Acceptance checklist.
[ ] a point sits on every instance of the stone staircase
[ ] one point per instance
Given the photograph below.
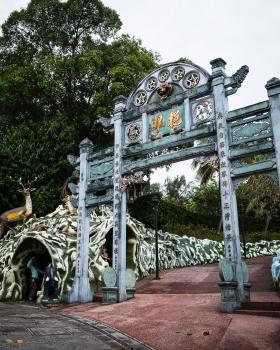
(260, 308)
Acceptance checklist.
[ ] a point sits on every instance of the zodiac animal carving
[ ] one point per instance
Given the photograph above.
(21, 213)
(164, 91)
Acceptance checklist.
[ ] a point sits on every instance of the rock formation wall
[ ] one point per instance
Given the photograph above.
(55, 236)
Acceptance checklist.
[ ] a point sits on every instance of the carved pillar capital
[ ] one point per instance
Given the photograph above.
(86, 146)
(273, 87)
(218, 67)
(120, 104)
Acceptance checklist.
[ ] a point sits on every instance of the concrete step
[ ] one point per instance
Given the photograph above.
(260, 308)
(266, 313)
(261, 305)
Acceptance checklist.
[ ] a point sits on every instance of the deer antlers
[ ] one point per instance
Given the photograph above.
(29, 183)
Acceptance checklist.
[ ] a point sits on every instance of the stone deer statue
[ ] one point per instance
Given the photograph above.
(21, 213)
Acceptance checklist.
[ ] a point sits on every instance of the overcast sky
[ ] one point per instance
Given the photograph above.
(239, 31)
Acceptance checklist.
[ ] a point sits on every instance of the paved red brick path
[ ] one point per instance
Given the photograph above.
(181, 312)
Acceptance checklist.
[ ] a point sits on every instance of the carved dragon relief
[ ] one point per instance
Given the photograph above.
(238, 77)
(235, 81)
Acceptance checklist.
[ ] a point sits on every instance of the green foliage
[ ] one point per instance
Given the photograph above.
(170, 213)
(203, 232)
(35, 149)
(205, 200)
(154, 188)
(198, 213)
(61, 66)
(176, 190)
(143, 210)
(260, 196)
(253, 237)
(197, 231)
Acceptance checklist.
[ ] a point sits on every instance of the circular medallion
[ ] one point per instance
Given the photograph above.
(225, 270)
(178, 73)
(191, 80)
(163, 75)
(245, 272)
(130, 278)
(203, 111)
(133, 131)
(140, 98)
(151, 84)
(109, 277)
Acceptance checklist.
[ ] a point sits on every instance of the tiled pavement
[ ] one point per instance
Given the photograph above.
(27, 327)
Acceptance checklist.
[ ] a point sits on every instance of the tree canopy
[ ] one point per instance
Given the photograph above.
(61, 66)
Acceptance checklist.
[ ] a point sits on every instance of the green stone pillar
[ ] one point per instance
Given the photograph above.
(273, 91)
(228, 197)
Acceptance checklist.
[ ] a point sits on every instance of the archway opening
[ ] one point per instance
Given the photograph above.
(131, 244)
(109, 246)
(29, 248)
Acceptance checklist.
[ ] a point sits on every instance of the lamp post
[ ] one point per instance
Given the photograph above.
(155, 200)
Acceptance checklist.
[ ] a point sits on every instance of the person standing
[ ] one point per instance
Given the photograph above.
(33, 267)
(50, 283)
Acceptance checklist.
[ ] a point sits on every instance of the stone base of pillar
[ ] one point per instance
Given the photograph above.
(229, 297)
(130, 293)
(247, 288)
(81, 292)
(109, 295)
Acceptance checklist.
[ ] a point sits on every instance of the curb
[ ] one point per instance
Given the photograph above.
(127, 341)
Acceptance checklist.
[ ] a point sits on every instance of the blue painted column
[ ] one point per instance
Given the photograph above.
(119, 212)
(273, 91)
(81, 291)
(228, 196)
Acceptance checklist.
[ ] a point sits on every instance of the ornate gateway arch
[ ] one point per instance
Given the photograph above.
(178, 112)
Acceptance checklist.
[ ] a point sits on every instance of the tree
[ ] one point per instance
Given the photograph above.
(61, 63)
(206, 168)
(154, 188)
(263, 197)
(205, 200)
(176, 190)
(29, 150)
(56, 58)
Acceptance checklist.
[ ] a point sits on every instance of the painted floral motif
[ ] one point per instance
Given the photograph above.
(203, 111)
(192, 79)
(133, 131)
(140, 98)
(179, 74)
(151, 84)
(164, 75)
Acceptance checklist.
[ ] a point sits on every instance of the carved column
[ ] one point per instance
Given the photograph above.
(273, 91)
(228, 197)
(81, 291)
(119, 223)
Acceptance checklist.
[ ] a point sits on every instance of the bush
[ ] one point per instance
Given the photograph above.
(202, 232)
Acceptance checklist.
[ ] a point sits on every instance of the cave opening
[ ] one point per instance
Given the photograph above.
(29, 248)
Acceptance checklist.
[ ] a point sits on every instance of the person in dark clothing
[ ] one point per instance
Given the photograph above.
(32, 265)
(51, 283)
